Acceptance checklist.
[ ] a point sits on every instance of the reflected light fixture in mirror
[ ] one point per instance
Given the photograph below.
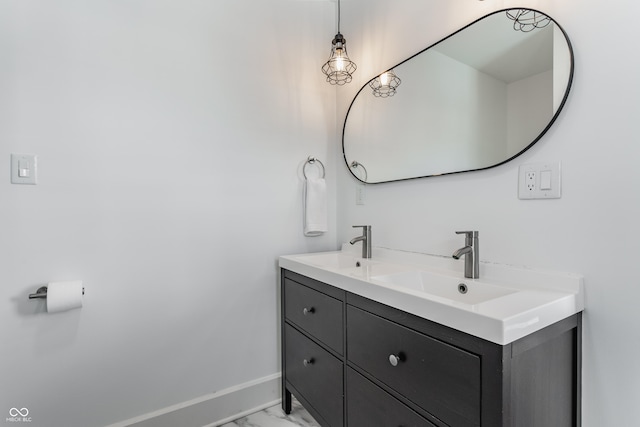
(385, 85)
(339, 68)
(526, 20)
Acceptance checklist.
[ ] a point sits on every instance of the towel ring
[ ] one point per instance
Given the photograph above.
(355, 164)
(311, 160)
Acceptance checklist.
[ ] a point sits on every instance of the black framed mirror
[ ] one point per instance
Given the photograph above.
(474, 100)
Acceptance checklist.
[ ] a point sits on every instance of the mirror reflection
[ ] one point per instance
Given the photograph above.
(474, 100)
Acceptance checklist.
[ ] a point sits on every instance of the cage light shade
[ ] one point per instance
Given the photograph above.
(339, 68)
(385, 85)
(526, 20)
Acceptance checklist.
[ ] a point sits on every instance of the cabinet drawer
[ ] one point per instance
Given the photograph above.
(442, 379)
(318, 314)
(369, 405)
(315, 374)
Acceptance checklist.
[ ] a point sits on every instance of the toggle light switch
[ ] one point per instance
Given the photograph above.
(23, 169)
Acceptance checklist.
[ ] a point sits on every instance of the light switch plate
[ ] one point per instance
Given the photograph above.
(539, 181)
(24, 169)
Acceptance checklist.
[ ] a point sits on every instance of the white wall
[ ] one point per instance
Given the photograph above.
(530, 108)
(170, 137)
(591, 230)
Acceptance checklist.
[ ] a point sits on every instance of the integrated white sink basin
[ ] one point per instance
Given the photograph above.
(505, 304)
(461, 290)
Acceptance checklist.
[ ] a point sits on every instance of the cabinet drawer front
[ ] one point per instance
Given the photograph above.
(442, 379)
(369, 405)
(316, 374)
(318, 314)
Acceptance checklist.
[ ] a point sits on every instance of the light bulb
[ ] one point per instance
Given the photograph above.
(339, 60)
(384, 79)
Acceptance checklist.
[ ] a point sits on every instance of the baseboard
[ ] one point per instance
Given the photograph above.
(214, 409)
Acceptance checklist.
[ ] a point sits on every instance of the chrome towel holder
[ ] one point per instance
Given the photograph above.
(310, 161)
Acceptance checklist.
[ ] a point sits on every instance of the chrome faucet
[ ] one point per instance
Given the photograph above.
(365, 239)
(471, 253)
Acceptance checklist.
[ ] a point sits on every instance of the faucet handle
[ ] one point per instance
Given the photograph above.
(470, 234)
(364, 227)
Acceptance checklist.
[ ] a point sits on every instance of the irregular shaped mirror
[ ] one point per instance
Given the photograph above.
(476, 99)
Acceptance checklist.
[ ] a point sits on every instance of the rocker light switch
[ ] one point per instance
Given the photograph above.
(545, 180)
(23, 169)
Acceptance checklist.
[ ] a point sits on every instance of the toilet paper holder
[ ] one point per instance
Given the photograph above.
(41, 293)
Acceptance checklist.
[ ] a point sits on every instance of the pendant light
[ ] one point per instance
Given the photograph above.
(339, 67)
(385, 84)
(526, 20)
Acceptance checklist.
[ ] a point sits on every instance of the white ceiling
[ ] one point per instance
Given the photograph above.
(495, 48)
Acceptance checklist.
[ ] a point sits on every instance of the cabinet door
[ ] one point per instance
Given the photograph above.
(316, 375)
(442, 379)
(318, 314)
(368, 405)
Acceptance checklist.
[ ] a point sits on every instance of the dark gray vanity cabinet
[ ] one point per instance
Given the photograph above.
(313, 347)
(354, 362)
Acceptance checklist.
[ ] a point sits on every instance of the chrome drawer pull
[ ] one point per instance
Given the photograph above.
(307, 362)
(309, 310)
(394, 359)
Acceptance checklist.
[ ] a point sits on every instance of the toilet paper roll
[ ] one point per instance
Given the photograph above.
(62, 296)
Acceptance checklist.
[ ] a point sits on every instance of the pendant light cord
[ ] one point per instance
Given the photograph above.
(338, 16)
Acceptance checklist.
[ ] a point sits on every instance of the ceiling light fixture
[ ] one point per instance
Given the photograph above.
(385, 84)
(339, 68)
(526, 20)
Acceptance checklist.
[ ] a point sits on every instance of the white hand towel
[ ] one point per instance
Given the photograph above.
(315, 207)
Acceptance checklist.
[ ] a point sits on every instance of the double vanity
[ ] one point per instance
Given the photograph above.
(404, 339)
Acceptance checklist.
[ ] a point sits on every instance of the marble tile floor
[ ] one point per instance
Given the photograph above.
(275, 417)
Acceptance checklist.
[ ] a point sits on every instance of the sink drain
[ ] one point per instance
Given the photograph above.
(462, 288)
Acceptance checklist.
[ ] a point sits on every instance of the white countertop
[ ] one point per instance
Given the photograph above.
(528, 300)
